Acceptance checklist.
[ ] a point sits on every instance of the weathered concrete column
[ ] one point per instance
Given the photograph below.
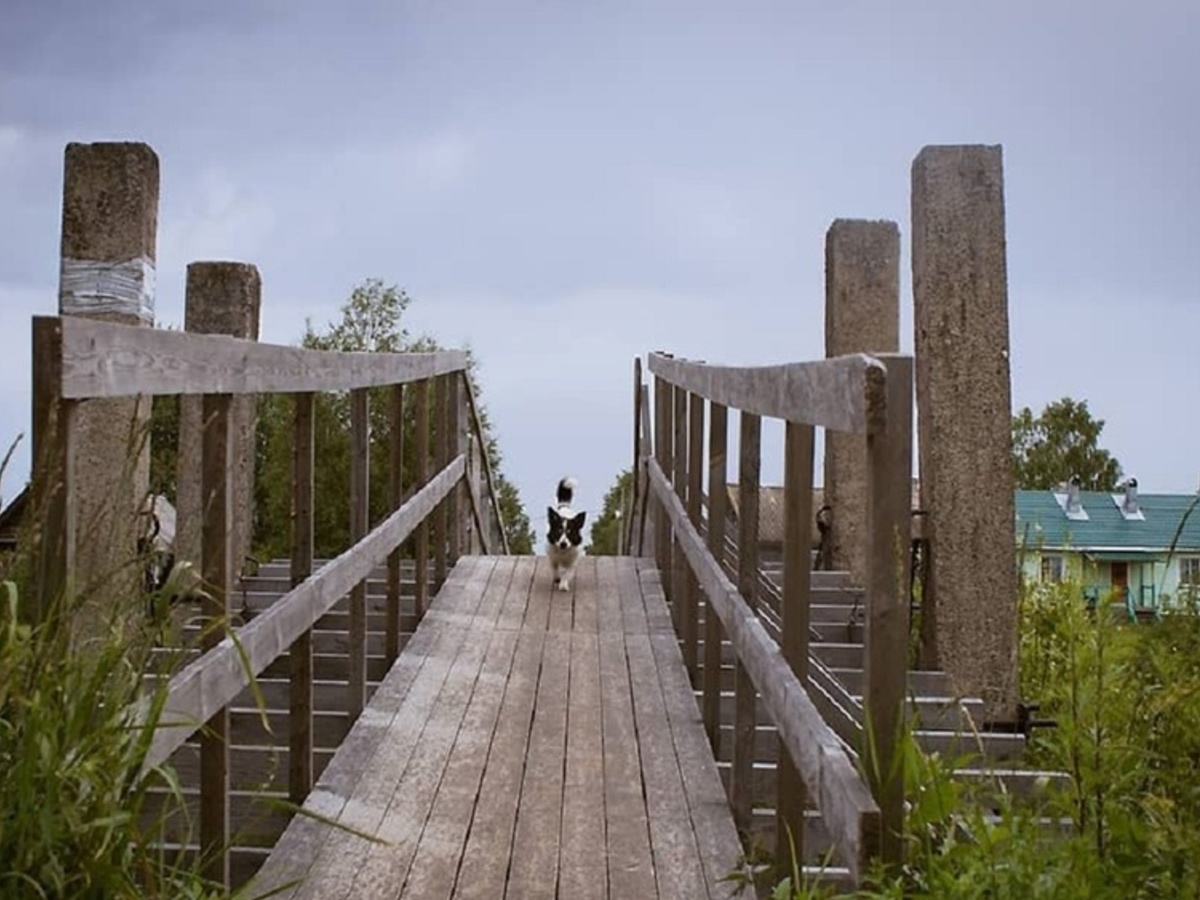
(960, 286)
(109, 232)
(862, 315)
(222, 298)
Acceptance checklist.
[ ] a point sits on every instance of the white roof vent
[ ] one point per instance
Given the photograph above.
(1071, 502)
(1127, 502)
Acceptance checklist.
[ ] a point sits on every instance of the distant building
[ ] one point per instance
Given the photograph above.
(1145, 547)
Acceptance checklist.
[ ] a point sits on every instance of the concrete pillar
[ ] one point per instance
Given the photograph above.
(862, 315)
(222, 298)
(960, 286)
(109, 232)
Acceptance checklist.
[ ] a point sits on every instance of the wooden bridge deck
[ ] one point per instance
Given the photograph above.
(527, 743)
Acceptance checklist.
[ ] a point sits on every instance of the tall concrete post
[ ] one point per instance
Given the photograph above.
(221, 298)
(109, 234)
(862, 315)
(964, 402)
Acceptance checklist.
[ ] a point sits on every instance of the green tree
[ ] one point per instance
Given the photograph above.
(1062, 442)
(370, 322)
(606, 530)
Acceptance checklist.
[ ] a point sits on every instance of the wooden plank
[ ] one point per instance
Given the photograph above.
(541, 595)
(443, 840)
(712, 822)
(421, 476)
(360, 494)
(367, 776)
(216, 571)
(516, 599)
(744, 717)
(627, 548)
(581, 867)
(649, 580)
(586, 596)
(663, 454)
(210, 682)
(629, 856)
(828, 392)
(53, 507)
(644, 487)
(481, 437)
(533, 871)
(844, 800)
(695, 487)
(885, 657)
(413, 793)
(683, 595)
(676, 857)
(718, 464)
(562, 603)
(300, 723)
(395, 501)
(485, 862)
(629, 590)
(104, 359)
(609, 616)
(792, 799)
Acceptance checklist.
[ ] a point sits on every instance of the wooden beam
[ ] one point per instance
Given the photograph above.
(212, 681)
(481, 436)
(745, 716)
(682, 600)
(441, 447)
(53, 491)
(889, 522)
(103, 359)
(695, 487)
(421, 476)
(828, 393)
(360, 499)
(718, 465)
(395, 501)
(300, 721)
(792, 798)
(644, 488)
(850, 814)
(217, 574)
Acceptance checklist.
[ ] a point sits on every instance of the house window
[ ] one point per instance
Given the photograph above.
(1052, 569)
(1189, 574)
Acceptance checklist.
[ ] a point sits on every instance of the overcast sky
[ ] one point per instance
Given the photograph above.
(564, 186)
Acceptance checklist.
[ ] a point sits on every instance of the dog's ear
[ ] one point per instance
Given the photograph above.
(552, 514)
(578, 519)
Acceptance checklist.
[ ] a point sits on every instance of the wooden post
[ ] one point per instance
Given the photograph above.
(300, 723)
(889, 469)
(441, 456)
(741, 774)
(455, 502)
(644, 489)
(695, 485)
(360, 477)
(395, 501)
(664, 454)
(797, 535)
(636, 478)
(217, 573)
(714, 633)
(53, 472)
(421, 478)
(682, 601)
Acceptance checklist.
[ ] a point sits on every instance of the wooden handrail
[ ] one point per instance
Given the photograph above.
(216, 678)
(104, 359)
(835, 393)
(851, 815)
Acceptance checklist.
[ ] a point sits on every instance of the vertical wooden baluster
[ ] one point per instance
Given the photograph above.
(797, 539)
(441, 450)
(741, 775)
(395, 501)
(421, 476)
(453, 448)
(714, 633)
(53, 456)
(360, 476)
(300, 714)
(217, 574)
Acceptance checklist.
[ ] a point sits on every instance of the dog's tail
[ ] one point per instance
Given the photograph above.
(566, 490)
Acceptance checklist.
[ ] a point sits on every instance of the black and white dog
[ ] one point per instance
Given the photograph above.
(565, 538)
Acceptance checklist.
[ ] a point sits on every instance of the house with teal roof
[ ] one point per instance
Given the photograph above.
(1145, 547)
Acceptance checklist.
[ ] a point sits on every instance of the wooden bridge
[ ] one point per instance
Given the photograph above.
(453, 726)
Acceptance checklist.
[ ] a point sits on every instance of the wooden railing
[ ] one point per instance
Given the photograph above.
(869, 396)
(77, 359)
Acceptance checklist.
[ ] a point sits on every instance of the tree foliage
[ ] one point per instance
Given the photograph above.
(1061, 443)
(370, 322)
(606, 530)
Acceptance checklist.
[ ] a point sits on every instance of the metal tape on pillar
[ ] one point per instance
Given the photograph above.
(88, 287)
